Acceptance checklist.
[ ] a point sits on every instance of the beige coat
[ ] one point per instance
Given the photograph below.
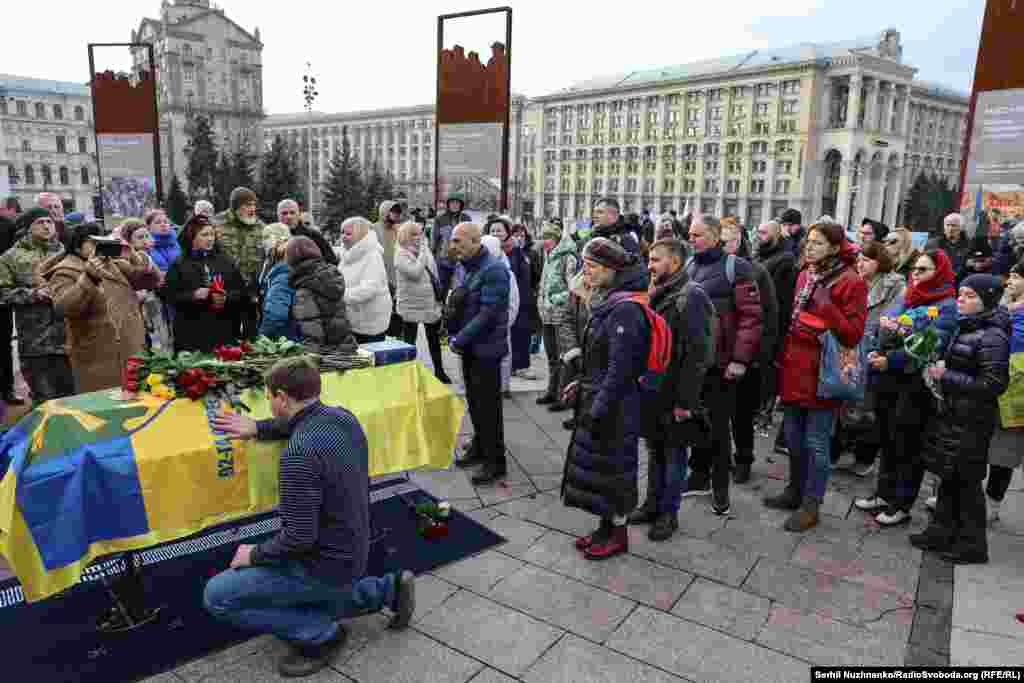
(103, 321)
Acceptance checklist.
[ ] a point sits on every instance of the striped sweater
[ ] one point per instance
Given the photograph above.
(324, 478)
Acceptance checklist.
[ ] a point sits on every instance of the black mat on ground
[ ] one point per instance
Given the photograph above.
(56, 640)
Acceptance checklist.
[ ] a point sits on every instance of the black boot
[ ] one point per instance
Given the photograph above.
(664, 526)
(645, 514)
(790, 498)
(471, 457)
(489, 474)
(551, 395)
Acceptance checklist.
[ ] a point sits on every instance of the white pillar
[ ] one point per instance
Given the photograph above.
(871, 121)
(895, 198)
(843, 194)
(853, 102)
(825, 115)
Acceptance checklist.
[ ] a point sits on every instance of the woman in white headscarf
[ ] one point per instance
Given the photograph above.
(493, 245)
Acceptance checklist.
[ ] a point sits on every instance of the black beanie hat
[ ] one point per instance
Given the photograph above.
(989, 288)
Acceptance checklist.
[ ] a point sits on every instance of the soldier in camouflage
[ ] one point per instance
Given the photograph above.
(41, 348)
(241, 238)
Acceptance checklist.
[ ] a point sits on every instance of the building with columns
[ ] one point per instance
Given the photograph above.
(839, 128)
(401, 141)
(47, 142)
(206, 65)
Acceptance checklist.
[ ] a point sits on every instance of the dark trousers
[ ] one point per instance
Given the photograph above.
(748, 405)
(249, 319)
(6, 350)
(409, 332)
(666, 475)
(999, 477)
(720, 401)
(483, 394)
(554, 360)
(960, 514)
(520, 341)
(368, 338)
(901, 470)
(48, 377)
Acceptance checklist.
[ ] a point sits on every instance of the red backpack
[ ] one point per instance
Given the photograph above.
(659, 353)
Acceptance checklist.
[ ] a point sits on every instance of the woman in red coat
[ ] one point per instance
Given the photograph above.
(830, 295)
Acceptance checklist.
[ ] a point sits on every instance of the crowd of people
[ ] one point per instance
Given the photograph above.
(686, 333)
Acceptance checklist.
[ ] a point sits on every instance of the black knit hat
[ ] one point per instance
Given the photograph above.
(791, 216)
(989, 288)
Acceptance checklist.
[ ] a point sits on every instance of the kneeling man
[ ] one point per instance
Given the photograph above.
(297, 584)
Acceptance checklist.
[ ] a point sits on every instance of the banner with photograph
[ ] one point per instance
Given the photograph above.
(127, 130)
(473, 100)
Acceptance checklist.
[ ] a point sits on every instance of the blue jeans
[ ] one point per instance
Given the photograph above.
(809, 437)
(289, 602)
(666, 475)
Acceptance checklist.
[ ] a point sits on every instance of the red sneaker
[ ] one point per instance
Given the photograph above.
(599, 535)
(616, 544)
(1020, 617)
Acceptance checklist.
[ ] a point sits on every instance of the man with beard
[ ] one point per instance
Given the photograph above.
(608, 223)
(288, 213)
(690, 314)
(441, 235)
(242, 239)
(8, 213)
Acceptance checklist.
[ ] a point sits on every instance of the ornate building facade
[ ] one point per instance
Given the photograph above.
(206, 65)
(46, 141)
(840, 129)
(401, 141)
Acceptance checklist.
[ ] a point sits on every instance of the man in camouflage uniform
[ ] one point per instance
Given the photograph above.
(242, 240)
(44, 360)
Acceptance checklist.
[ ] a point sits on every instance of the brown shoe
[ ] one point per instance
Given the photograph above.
(805, 518)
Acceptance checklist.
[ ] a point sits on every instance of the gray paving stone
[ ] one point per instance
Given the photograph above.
(561, 518)
(446, 484)
(409, 657)
(629, 576)
(431, 592)
(551, 483)
(489, 675)
(971, 648)
(695, 555)
(921, 657)
(503, 638)
(519, 533)
(540, 460)
(830, 596)
(574, 660)
(980, 597)
(261, 667)
(698, 653)
(754, 537)
(872, 564)
(501, 493)
(201, 668)
(827, 642)
(522, 508)
(932, 629)
(563, 602)
(162, 678)
(724, 608)
(480, 572)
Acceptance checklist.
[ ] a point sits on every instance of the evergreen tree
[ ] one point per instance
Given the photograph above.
(201, 152)
(223, 183)
(379, 187)
(343, 194)
(929, 200)
(241, 163)
(279, 178)
(177, 203)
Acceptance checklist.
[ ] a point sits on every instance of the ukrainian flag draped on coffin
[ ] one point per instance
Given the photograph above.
(89, 475)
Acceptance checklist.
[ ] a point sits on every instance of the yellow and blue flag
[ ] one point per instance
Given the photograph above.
(90, 475)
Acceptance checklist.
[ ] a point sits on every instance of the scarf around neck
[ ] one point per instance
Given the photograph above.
(935, 288)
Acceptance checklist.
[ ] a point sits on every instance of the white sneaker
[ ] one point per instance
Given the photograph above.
(869, 504)
(893, 517)
(931, 502)
(525, 374)
(993, 508)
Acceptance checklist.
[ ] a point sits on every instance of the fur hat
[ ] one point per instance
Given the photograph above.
(301, 249)
(241, 195)
(608, 253)
(989, 288)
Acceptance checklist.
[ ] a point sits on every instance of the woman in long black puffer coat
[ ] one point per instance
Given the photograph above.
(959, 429)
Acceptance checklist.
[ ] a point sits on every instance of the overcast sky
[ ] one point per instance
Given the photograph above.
(379, 54)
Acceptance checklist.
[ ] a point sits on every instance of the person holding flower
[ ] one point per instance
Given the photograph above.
(830, 297)
(206, 287)
(276, 295)
(897, 379)
(972, 373)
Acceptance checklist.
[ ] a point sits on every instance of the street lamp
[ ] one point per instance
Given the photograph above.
(309, 94)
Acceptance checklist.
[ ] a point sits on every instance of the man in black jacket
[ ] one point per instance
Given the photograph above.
(8, 212)
(953, 241)
(690, 314)
(441, 235)
(790, 221)
(608, 223)
(289, 214)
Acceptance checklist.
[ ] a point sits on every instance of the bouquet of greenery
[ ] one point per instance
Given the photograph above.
(921, 342)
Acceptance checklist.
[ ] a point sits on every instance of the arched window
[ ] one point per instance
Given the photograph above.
(30, 175)
(47, 175)
(65, 179)
(79, 113)
(58, 112)
(833, 163)
(40, 111)
(85, 175)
